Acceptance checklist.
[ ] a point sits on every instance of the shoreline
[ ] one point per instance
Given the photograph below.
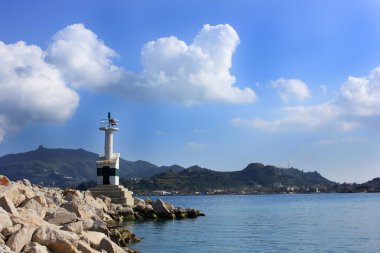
(41, 219)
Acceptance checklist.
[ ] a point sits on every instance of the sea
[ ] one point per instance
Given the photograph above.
(267, 223)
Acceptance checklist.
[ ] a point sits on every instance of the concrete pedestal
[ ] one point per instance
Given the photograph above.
(117, 193)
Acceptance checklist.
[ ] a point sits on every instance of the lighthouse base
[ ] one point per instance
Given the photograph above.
(117, 193)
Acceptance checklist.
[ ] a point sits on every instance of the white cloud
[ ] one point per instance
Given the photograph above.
(31, 90)
(359, 101)
(36, 85)
(195, 145)
(173, 71)
(189, 74)
(84, 59)
(291, 89)
(361, 95)
(302, 119)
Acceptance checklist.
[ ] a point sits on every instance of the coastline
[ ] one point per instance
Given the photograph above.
(43, 219)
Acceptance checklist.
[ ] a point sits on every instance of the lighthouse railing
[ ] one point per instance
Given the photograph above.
(106, 123)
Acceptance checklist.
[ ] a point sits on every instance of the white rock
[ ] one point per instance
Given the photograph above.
(109, 246)
(5, 221)
(34, 247)
(17, 241)
(56, 240)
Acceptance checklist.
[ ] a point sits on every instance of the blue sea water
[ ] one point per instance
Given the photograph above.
(267, 223)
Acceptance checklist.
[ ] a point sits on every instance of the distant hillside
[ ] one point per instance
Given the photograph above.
(65, 167)
(255, 176)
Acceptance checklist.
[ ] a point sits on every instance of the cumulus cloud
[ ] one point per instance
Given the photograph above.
(291, 89)
(31, 90)
(361, 95)
(38, 85)
(358, 101)
(84, 60)
(190, 74)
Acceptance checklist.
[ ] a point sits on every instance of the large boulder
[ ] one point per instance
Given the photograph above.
(76, 227)
(60, 216)
(94, 238)
(35, 205)
(98, 226)
(17, 241)
(16, 193)
(5, 221)
(85, 248)
(160, 208)
(27, 217)
(109, 246)
(40, 198)
(34, 247)
(82, 210)
(56, 240)
(8, 206)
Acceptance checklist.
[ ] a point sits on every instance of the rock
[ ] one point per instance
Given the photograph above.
(60, 216)
(180, 213)
(88, 224)
(40, 199)
(109, 246)
(27, 217)
(4, 180)
(76, 227)
(85, 248)
(56, 240)
(140, 207)
(107, 200)
(5, 249)
(8, 206)
(16, 193)
(82, 210)
(160, 209)
(99, 226)
(125, 211)
(7, 231)
(5, 221)
(33, 204)
(122, 236)
(26, 182)
(17, 241)
(34, 247)
(94, 238)
(138, 201)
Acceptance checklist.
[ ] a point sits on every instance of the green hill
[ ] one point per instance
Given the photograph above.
(255, 177)
(67, 167)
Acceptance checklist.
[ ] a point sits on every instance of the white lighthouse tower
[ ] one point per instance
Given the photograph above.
(107, 177)
(108, 163)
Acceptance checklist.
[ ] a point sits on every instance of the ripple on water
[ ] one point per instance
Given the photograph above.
(267, 223)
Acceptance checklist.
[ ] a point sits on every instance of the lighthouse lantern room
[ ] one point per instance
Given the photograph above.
(108, 163)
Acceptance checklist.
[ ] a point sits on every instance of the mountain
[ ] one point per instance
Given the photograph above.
(255, 177)
(67, 167)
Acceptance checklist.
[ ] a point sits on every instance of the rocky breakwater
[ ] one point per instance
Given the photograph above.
(36, 219)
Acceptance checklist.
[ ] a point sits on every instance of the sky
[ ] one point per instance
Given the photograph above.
(220, 84)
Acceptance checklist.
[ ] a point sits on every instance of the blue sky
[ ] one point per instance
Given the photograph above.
(214, 83)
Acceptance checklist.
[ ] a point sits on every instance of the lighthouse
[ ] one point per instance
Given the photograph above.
(107, 168)
(108, 163)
